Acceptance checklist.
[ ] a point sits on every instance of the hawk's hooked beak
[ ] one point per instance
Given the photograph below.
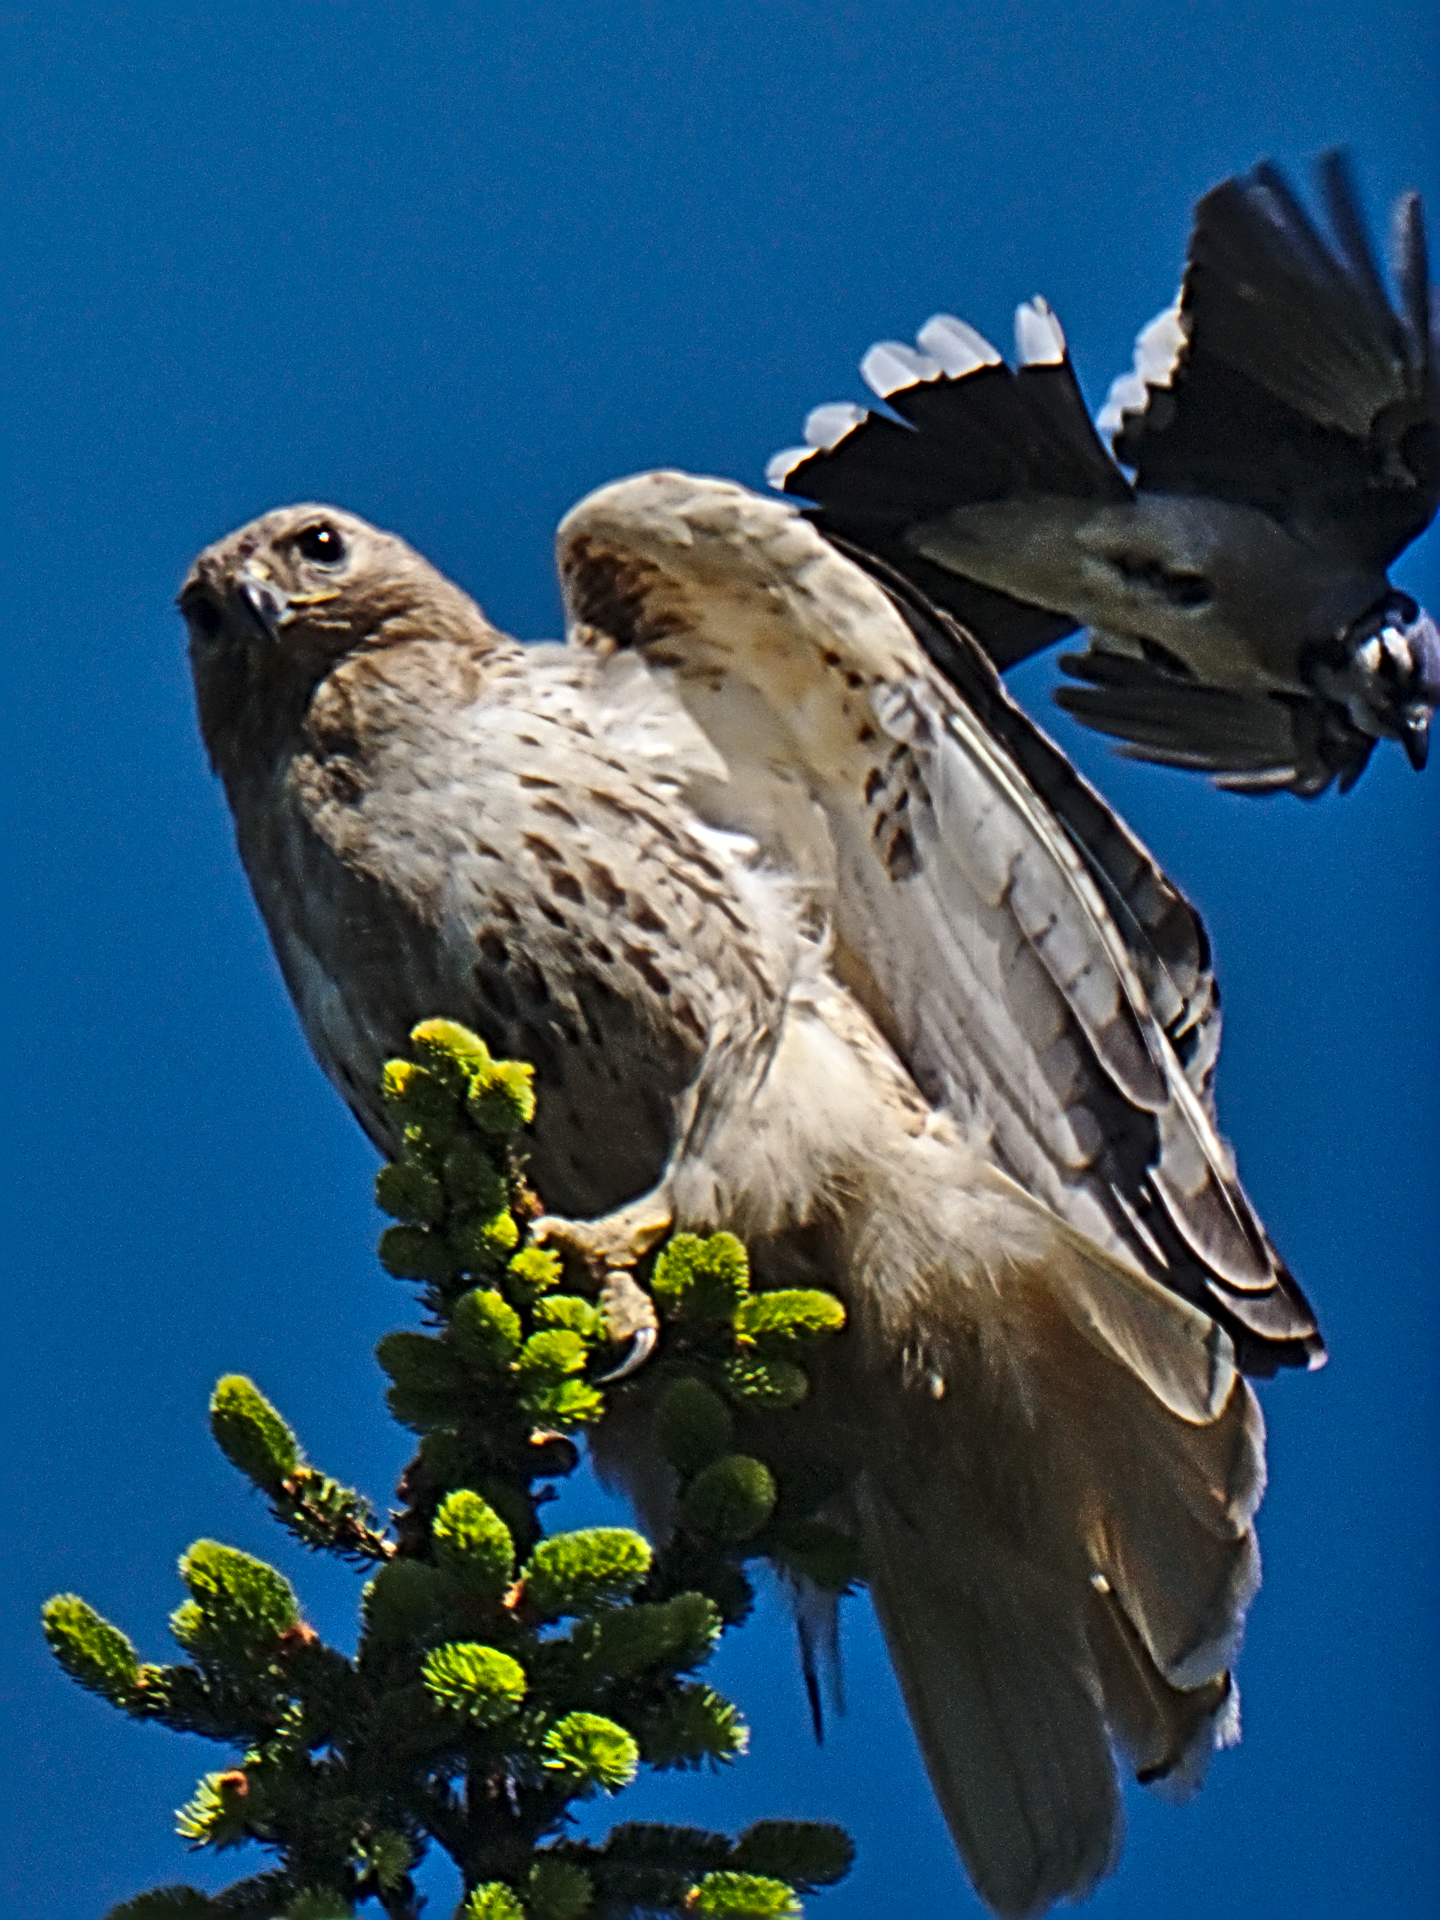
(265, 606)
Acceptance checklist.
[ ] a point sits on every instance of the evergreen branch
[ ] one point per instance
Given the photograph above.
(501, 1675)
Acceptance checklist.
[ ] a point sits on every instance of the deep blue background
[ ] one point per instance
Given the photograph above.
(450, 266)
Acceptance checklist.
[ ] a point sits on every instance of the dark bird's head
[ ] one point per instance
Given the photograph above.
(272, 607)
(1385, 674)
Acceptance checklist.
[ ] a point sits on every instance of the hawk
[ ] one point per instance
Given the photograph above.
(808, 941)
(1282, 425)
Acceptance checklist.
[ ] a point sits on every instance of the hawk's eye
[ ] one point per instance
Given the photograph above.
(320, 543)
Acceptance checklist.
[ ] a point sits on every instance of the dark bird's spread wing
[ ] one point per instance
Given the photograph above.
(1256, 743)
(1281, 421)
(1296, 388)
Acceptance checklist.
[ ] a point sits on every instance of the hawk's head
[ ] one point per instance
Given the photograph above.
(271, 608)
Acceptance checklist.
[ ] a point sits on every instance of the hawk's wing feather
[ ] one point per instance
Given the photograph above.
(1164, 935)
(965, 915)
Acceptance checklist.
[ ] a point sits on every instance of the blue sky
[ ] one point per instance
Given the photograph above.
(450, 266)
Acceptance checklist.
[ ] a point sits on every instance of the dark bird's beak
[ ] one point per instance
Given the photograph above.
(1424, 640)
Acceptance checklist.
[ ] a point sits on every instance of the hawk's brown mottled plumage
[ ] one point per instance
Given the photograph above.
(804, 946)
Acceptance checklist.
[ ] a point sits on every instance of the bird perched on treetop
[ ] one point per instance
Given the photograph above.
(807, 944)
(1283, 427)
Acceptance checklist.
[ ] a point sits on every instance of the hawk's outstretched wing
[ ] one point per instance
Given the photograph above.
(1038, 975)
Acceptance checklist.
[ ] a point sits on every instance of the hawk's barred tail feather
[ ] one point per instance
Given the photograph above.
(1061, 1563)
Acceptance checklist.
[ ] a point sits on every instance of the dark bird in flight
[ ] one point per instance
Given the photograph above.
(1281, 432)
(809, 941)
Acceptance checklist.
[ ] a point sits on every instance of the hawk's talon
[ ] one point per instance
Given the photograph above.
(641, 1349)
(611, 1246)
(629, 1314)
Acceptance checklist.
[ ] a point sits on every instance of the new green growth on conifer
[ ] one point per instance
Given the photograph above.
(500, 1675)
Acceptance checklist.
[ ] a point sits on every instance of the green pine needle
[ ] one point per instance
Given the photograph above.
(492, 1901)
(676, 1634)
(473, 1544)
(502, 1099)
(697, 1279)
(216, 1817)
(764, 1382)
(410, 1193)
(482, 1684)
(574, 1572)
(731, 1499)
(556, 1890)
(165, 1903)
(692, 1425)
(594, 1753)
(485, 1328)
(535, 1270)
(91, 1651)
(693, 1726)
(251, 1434)
(807, 1853)
(239, 1607)
(789, 1314)
(318, 1903)
(404, 1601)
(744, 1896)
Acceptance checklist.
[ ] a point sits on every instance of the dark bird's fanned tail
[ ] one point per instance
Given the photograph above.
(971, 430)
